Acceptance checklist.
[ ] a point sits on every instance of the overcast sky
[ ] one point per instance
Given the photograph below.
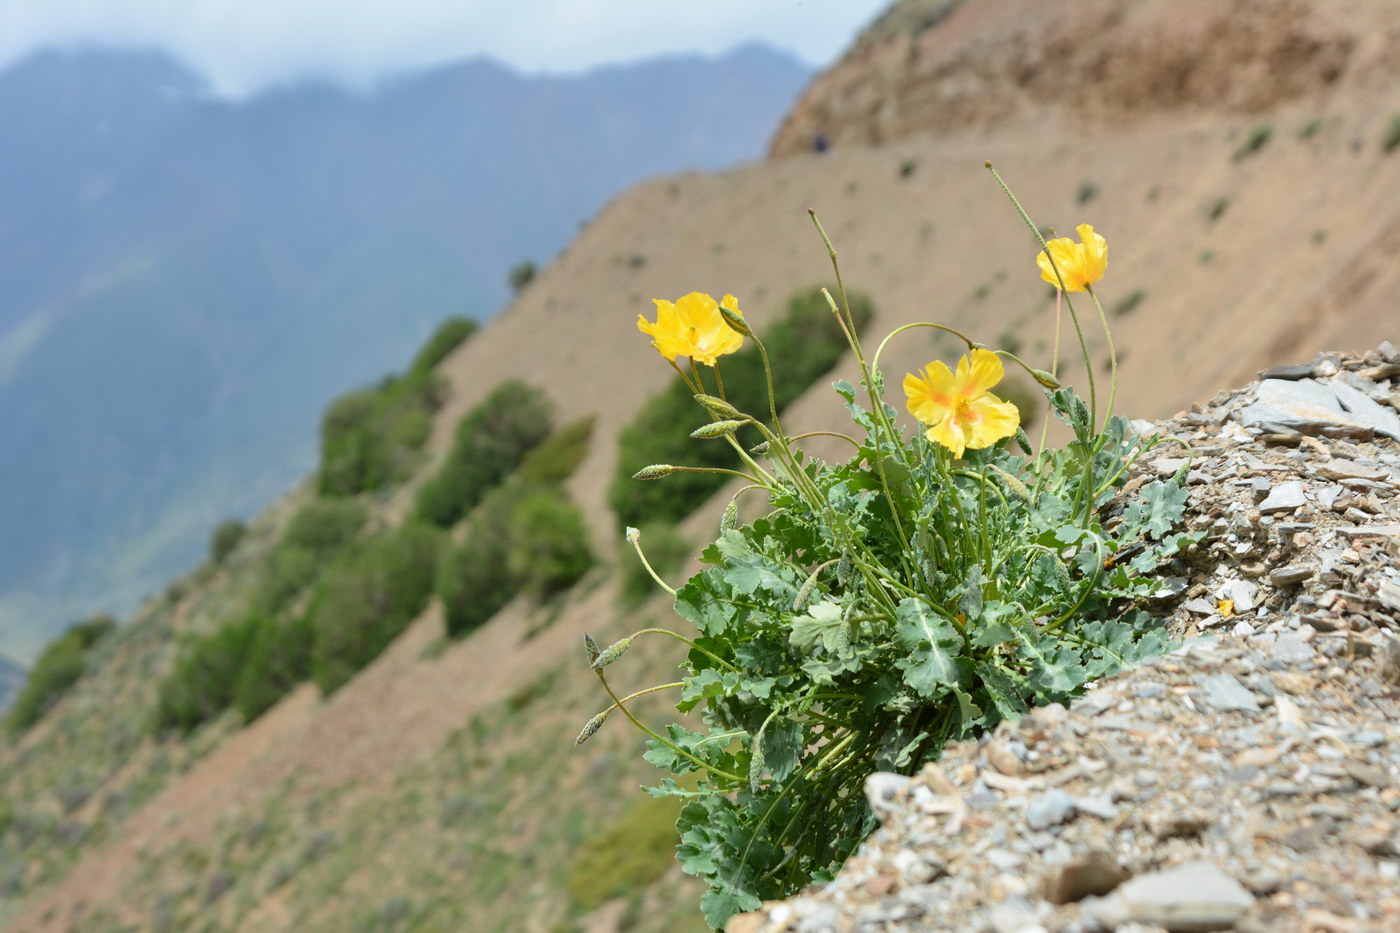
(243, 45)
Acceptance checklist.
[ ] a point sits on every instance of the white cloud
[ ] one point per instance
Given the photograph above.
(242, 45)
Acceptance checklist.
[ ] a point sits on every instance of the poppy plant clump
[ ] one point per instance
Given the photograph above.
(944, 576)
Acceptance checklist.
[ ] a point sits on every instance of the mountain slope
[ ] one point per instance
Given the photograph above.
(187, 280)
(11, 679)
(364, 794)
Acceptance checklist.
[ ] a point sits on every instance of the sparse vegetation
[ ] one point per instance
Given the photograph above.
(805, 344)
(907, 168)
(1217, 209)
(204, 681)
(1128, 303)
(1207, 256)
(320, 530)
(1319, 236)
(1087, 192)
(1255, 141)
(625, 855)
(474, 582)
(1390, 139)
(224, 539)
(1310, 129)
(492, 441)
(57, 668)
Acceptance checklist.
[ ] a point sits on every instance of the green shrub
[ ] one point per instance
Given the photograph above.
(1217, 209)
(57, 668)
(548, 544)
(1128, 303)
(449, 335)
(369, 597)
(325, 526)
(370, 438)
(666, 549)
(205, 679)
(320, 530)
(278, 658)
(803, 345)
(556, 459)
(492, 440)
(521, 275)
(225, 538)
(474, 580)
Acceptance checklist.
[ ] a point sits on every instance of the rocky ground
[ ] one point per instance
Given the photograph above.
(1250, 780)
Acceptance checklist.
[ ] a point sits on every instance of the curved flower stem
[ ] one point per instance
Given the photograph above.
(739, 473)
(719, 382)
(689, 383)
(1112, 355)
(768, 376)
(641, 693)
(635, 537)
(877, 403)
(845, 437)
(750, 461)
(1074, 318)
(658, 737)
(693, 646)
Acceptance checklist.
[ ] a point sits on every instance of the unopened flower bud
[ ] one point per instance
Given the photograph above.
(735, 320)
(716, 429)
(591, 648)
(611, 653)
(1045, 379)
(730, 519)
(719, 406)
(633, 535)
(655, 471)
(590, 727)
(759, 449)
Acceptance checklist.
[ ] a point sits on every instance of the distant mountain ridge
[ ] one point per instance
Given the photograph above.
(185, 281)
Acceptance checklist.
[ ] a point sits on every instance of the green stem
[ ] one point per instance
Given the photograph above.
(658, 737)
(693, 646)
(636, 538)
(1112, 355)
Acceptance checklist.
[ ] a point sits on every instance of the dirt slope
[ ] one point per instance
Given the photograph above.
(1237, 262)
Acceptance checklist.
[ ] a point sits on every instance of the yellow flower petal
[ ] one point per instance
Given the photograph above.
(692, 327)
(930, 395)
(989, 419)
(984, 371)
(1080, 264)
(949, 433)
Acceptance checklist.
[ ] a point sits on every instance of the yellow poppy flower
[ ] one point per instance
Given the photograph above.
(1081, 264)
(958, 409)
(692, 326)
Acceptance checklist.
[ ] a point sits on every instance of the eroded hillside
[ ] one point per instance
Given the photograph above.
(439, 788)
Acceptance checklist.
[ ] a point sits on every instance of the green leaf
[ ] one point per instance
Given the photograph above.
(748, 572)
(782, 743)
(705, 602)
(1166, 505)
(931, 644)
(824, 624)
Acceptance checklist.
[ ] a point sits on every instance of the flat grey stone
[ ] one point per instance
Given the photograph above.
(1290, 650)
(1290, 576)
(1350, 469)
(1285, 497)
(1197, 896)
(1380, 419)
(1224, 692)
(1049, 809)
(1307, 406)
(1287, 371)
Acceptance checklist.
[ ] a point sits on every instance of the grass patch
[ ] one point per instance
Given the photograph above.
(1217, 209)
(1128, 303)
(224, 539)
(1390, 139)
(1087, 192)
(625, 856)
(449, 335)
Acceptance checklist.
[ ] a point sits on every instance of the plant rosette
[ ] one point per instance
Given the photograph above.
(932, 584)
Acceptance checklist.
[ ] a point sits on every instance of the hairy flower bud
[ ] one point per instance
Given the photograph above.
(1045, 379)
(591, 648)
(655, 471)
(730, 519)
(716, 429)
(590, 727)
(611, 653)
(719, 406)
